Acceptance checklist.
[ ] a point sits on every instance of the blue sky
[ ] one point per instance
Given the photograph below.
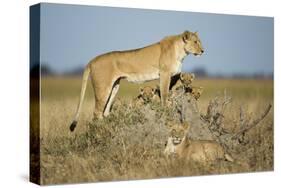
(72, 35)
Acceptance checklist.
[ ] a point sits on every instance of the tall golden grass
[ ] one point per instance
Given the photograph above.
(129, 143)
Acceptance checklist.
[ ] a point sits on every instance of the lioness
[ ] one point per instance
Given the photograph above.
(201, 151)
(161, 60)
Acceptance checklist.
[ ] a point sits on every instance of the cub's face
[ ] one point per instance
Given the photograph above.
(186, 78)
(192, 43)
(197, 92)
(147, 93)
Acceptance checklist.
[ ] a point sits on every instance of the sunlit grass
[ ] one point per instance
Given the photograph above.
(129, 143)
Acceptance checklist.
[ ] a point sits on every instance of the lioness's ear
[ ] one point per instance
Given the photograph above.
(196, 33)
(186, 36)
(185, 126)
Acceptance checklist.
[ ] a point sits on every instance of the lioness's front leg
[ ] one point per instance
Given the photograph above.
(165, 79)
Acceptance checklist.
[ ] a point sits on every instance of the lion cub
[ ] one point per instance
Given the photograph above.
(147, 95)
(196, 92)
(201, 151)
(184, 80)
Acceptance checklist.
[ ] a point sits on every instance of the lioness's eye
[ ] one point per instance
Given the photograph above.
(195, 42)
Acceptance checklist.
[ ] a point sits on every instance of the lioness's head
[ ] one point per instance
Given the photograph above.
(177, 132)
(186, 78)
(192, 43)
(147, 93)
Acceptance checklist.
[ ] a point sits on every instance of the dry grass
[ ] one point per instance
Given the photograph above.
(129, 144)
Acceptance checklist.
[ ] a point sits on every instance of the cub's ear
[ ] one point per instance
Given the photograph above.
(186, 36)
(141, 90)
(201, 89)
(181, 76)
(192, 76)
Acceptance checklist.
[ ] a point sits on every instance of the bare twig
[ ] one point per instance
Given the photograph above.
(253, 124)
(242, 123)
(124, 146)
(225, 102)
(242, 117)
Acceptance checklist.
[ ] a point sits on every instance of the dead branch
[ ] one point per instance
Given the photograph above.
(242, 117)
(210, 126)
(241, 138)
(187, 108)
(215, 114)
(253, 124)
(225, 102)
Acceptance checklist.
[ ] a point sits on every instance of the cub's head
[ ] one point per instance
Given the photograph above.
(186, 78)
(192, 43)
(147, 93)
(197, 92)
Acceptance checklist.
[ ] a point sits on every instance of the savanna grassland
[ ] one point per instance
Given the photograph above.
(129, 143)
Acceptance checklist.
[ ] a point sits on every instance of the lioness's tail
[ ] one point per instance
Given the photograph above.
(83, 89)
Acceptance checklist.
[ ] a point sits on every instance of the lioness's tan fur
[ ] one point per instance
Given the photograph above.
(161, 60)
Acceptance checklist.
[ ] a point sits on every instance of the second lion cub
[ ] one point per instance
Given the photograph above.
(183, 82)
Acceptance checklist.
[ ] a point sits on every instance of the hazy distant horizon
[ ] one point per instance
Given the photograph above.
(71, 35)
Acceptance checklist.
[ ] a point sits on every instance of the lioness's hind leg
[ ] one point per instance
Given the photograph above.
(111, 97)
(102, 94)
